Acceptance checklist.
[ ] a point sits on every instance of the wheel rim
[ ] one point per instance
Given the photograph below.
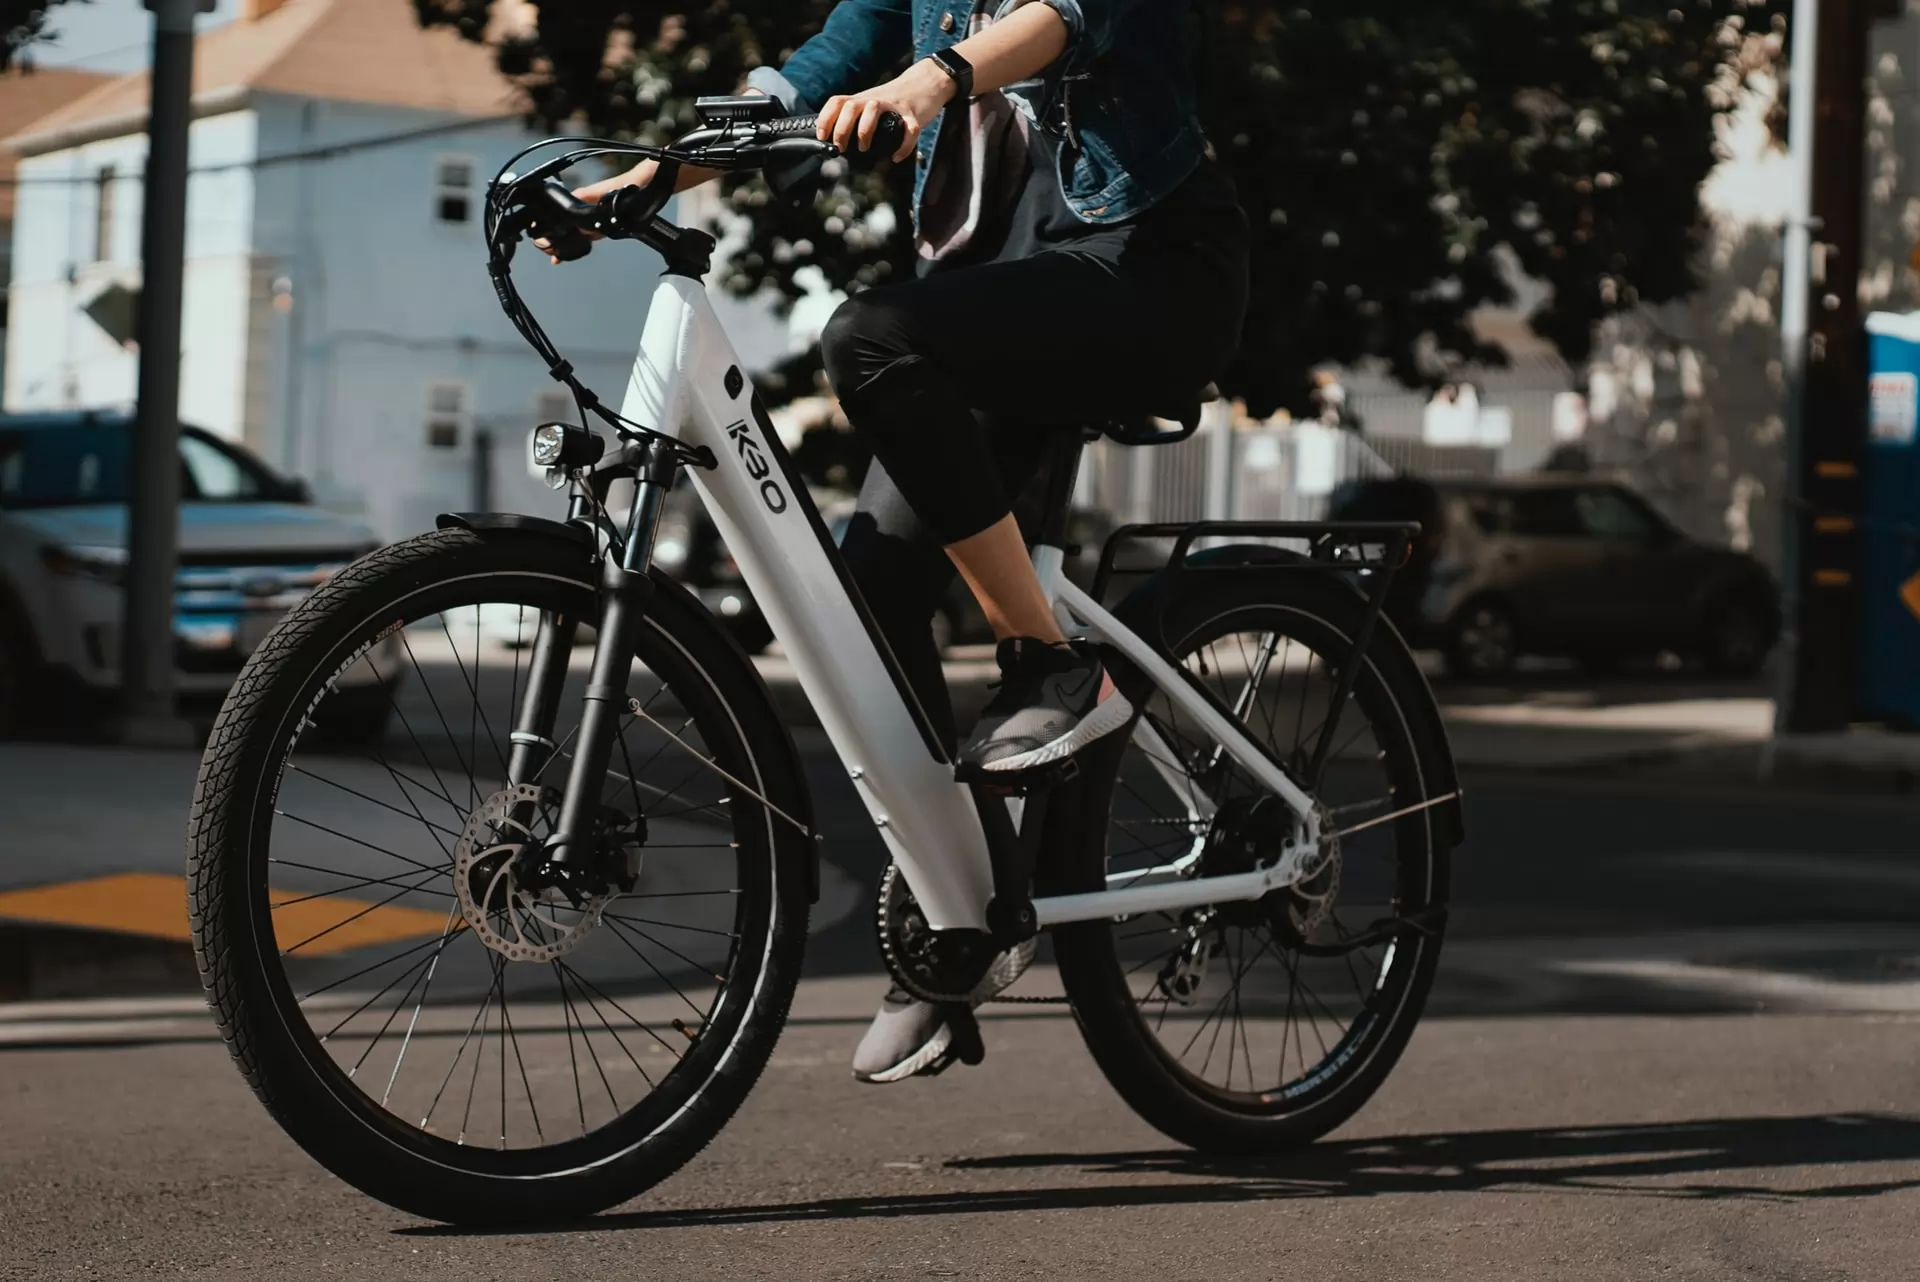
(1268, 1026)
(426, 1032)
(1487, 640)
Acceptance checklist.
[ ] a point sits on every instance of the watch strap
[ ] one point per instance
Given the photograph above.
(956, 66)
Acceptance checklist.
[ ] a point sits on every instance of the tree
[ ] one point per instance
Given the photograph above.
(1397, 158)
(23, 24)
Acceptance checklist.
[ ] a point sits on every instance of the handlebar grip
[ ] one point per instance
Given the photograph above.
(889, 132)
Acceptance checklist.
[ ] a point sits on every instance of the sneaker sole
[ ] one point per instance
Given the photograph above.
(1102, 721)
(936, 1047)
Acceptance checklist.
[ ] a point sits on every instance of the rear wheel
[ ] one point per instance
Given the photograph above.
(432, 1031)
(1258, 1026)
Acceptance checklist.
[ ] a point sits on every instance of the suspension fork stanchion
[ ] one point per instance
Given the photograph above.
(625, 589)
(532, 740)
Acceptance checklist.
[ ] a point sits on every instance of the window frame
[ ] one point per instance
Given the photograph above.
(460, 418)
(443, 190)
(104, 179)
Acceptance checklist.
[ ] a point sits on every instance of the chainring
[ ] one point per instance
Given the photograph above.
(940, 965)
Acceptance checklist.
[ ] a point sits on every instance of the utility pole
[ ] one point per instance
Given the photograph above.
(1824, 354)
(146, 640)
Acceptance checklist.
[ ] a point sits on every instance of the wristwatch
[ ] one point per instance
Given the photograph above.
(951, 62)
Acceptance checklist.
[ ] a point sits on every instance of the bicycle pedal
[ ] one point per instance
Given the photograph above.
(966, 1044)
(1026, 783)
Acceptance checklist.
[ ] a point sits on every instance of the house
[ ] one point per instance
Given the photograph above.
(25, 96)
(338, 320)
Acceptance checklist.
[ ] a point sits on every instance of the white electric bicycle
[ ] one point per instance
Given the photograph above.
(522, 958)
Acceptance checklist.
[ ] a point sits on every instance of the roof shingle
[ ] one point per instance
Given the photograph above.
(370, 51)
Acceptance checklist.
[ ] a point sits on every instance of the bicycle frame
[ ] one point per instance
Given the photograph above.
(687, 382)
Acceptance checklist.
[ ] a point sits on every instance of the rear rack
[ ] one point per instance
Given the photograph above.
(1326, 540)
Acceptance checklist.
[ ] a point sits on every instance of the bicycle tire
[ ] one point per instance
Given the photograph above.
(1157, 1084)
(304, 1090)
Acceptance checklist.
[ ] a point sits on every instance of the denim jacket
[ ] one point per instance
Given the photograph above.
(1121, 97)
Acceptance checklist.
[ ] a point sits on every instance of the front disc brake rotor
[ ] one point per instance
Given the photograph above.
(520, 924)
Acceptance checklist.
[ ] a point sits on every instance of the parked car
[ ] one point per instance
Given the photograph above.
(251, 545)
(1564, 566)
(690, 548)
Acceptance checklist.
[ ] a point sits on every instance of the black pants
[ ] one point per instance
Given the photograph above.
(957, 380)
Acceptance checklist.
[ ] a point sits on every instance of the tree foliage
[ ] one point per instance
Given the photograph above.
(23, 24)
(1398, 158)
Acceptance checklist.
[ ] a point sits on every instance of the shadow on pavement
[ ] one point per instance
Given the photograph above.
(1647, 1160)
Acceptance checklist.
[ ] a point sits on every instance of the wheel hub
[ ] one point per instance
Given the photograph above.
(517, 904)
(1253, 833)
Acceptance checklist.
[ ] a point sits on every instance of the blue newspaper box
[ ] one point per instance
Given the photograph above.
(1890, 533)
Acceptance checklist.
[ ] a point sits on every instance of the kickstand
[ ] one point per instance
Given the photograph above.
(966, 1045)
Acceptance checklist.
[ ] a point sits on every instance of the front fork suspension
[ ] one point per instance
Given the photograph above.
(625, 589)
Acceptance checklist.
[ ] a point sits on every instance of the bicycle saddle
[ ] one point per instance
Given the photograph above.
(1145, 431)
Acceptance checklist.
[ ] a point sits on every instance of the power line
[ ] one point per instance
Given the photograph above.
(328, 151)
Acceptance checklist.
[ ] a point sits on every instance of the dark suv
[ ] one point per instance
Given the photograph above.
(1562, 566)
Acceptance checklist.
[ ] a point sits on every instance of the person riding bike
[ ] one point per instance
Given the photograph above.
(1081, 257)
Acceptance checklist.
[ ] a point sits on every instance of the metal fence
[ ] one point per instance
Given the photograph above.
(1278, 473)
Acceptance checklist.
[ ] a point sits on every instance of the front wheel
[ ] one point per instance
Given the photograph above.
(442, 1037)
(1255, 1027)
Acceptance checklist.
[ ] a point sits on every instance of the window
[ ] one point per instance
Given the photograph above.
(453, 189)
(1611, 514)
(215, 476)
(103, 214)
(447, 413)
(1544, 514)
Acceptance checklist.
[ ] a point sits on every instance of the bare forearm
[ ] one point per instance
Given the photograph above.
(1017, 47)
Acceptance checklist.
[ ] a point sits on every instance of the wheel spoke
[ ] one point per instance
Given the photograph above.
(350, 850)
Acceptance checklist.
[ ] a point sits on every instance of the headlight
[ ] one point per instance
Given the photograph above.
(564, 445)
(549, 442)
(102, 564)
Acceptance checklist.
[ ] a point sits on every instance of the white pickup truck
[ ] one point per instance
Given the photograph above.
(251, 546)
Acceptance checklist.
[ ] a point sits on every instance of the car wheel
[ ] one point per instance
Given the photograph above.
(18, 705)
(1738, 639)
(1485, 642)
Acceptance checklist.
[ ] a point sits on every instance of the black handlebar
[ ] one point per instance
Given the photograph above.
(781, 148)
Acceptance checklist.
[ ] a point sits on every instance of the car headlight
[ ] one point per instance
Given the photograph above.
(103, 564)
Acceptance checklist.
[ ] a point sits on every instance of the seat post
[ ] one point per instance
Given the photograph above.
(1063, 469)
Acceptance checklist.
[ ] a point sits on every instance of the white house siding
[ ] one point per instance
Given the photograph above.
(57, 357)
(323, 301)
(381, 301)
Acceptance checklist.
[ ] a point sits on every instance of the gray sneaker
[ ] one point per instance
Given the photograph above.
(1052, 701)
(910, 1037)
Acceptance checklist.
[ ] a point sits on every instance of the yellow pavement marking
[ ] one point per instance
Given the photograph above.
(1910, 594)
(155, 905)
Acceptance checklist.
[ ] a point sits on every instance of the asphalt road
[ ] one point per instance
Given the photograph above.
(1775, 1147)
(1674, 1035)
